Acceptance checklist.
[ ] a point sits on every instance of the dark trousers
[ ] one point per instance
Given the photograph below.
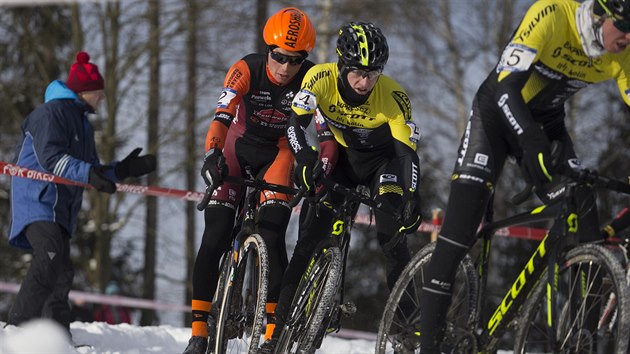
(44, 290)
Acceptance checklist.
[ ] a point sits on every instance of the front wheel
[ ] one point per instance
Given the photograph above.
(312, 304)
(591, 315)
(242, 311)
(397, 332)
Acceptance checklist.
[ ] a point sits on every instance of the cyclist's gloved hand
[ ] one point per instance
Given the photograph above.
(134, 165)
(99, 180)
(305, 171)
(536, 161)
(412, 214)
(214, 167)
(608, 231)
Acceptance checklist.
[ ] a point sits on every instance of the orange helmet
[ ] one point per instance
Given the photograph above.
(290, 29)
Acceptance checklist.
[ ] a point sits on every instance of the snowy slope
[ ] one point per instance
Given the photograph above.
(45, 337)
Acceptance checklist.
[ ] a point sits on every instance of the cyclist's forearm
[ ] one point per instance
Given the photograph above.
(621, 222)
(296, 131)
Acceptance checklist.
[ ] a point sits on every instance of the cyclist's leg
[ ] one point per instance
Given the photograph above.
(466, 206)
(216, 239)
(309, 237)
(482, 153)
(217, 235)
(271, 223)
(387, 185)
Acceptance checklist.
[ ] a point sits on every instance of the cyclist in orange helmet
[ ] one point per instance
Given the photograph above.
(249, 130)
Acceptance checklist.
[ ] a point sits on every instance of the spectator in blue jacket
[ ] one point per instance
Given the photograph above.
(58, 138)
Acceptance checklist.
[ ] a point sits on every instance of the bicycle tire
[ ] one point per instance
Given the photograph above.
(312, 304)
(222, 282)
(397, 332)
(242, 312)
(598, 272)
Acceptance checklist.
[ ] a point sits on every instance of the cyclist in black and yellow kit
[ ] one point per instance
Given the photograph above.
(559, 47)
(366, 136)
(248, 130)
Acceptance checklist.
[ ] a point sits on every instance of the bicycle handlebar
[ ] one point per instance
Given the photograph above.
(352, 194)
(256, 183)
(583, 176)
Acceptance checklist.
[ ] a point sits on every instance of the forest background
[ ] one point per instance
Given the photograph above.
(164, 62)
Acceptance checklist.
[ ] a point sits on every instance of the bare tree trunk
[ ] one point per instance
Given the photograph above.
(324, 32)
(77, 32)
(455, 64)
(261, 18)
(191, 144)
(101, 202)
(148, 290)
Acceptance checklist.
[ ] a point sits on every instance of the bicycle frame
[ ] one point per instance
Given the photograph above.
(231, 284)
(337, 243)
(340, 237)
(544, 257)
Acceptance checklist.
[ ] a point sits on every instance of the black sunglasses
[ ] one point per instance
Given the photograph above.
(622, 25)
(370, 74)
(283, 58)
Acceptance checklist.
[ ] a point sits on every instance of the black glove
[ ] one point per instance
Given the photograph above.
(608, 231)
(134, 165)
(99, 181)
(411, 215)
(214, 167)
(305, 171)
(536, 160)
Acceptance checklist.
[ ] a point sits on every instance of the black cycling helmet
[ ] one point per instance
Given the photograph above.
(362, 45)
(618, 9)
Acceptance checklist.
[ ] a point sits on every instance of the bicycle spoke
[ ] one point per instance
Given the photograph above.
(398, 327)
(592, 302)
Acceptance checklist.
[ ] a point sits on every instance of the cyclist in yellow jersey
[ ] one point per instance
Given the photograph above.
(366, 137)
(559, 47)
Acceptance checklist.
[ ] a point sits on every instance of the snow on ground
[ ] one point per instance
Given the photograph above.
(43, 336)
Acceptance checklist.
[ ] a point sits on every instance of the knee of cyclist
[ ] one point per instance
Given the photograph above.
(391, 195)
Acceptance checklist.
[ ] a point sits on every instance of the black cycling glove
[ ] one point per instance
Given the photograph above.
(536, 160)
(305, 171)
(214, 167)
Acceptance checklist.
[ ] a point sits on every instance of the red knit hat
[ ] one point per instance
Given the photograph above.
(84, 76)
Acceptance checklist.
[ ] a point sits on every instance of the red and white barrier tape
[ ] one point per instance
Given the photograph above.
(18, 171)
(107, 299)
(23, 172)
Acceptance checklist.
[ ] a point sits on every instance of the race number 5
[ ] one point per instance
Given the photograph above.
(516, 58)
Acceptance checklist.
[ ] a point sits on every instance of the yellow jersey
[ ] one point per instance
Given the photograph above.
(386, 114)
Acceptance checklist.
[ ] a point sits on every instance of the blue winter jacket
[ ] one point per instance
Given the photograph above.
(56, 138)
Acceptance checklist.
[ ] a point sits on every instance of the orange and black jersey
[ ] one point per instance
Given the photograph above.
(545, 64)
(253, 102)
